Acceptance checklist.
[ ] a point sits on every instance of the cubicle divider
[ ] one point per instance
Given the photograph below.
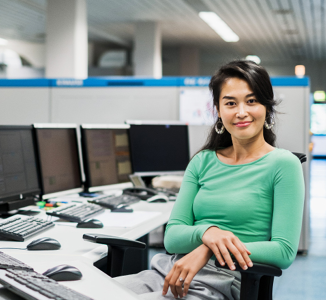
(114, 100)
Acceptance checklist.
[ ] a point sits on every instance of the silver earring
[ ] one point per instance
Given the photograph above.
(221, 130)
(270, 125)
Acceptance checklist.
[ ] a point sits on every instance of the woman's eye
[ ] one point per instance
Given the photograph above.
(230, 103)
(252, 101)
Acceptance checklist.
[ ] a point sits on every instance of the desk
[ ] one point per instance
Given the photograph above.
(82, 254)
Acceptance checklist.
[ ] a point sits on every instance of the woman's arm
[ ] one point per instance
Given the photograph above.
(287, 217)
(180, 235)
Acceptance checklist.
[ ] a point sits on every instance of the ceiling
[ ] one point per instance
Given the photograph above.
(290, 30)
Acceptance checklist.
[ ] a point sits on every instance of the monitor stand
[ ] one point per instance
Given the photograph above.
(14, 205)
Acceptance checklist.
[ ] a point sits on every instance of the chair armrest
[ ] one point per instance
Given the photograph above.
(113, 241)
(116, 250)
(257, 268)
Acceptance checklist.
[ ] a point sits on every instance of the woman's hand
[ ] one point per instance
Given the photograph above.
(184, 270)
(221, 242)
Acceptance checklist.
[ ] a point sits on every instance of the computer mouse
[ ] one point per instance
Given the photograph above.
(122, 208)
(90, 223)
(44, 243)
(158, 198)
(63, 273)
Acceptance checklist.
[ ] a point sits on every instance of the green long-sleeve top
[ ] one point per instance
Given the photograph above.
(260, 202)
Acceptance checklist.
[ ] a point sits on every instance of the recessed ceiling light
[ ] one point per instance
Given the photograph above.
(254, 58)
(299, 70)
(3, 42)
(219, 26)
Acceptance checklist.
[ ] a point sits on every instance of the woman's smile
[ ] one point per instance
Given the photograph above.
(243, 124)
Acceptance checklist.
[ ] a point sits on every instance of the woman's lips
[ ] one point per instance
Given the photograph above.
(242, 124)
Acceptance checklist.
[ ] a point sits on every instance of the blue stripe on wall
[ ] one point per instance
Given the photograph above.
(133, 82)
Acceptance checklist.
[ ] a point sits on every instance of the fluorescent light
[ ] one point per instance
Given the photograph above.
(319, 96)
(253, 58)
(299, 70)
(219, 26)
(3, 42)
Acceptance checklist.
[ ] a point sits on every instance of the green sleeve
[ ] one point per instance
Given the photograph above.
(288, 205)
(180, 235)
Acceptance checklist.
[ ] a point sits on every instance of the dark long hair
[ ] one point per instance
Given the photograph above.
(260, 83)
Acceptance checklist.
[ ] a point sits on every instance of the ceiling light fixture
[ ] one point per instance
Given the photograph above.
(299, 70)
(3, 42)
(219, 26)
(254, 58)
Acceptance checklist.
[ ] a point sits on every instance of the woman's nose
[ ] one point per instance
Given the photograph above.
(242, 112)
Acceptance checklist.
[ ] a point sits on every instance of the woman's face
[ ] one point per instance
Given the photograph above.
(242, 115)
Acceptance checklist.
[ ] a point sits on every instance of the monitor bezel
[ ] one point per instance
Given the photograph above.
(160, 122)
(66, 192)
(33, 193)
(87, 183)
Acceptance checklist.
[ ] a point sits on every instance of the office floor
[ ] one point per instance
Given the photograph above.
(306, 278)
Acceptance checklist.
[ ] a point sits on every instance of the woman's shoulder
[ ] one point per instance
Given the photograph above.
(284, 158)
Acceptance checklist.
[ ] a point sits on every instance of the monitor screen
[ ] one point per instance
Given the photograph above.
(106, 155)
(158, 148)
(59, 160)
(18, 169)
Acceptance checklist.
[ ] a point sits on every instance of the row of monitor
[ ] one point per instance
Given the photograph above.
(46, 160)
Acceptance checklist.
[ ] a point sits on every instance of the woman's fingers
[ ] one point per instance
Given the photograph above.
(244, 254)
(218, 255)
(226, 255)
(180, 283)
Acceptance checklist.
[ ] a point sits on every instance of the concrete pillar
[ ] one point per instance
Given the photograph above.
(189, 61)
(66, 39)
(147, 50)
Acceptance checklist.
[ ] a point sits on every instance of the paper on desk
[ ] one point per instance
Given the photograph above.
(126, 219)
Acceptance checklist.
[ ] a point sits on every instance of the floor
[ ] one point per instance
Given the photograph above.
(306, 278)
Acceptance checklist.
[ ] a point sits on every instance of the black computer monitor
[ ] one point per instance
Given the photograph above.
(106, 156)
(59, 160)
(19, 184)
(158, 149)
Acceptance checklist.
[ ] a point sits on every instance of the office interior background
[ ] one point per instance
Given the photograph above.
(72, 41)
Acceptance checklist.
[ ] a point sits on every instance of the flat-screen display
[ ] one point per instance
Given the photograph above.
(59, 161)
(18, 169)
(318, 119)
(106, 155)
(158, 148)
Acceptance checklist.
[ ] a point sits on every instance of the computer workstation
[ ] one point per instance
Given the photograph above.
(72, 243)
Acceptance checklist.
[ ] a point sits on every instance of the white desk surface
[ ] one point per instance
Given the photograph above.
(82, 254)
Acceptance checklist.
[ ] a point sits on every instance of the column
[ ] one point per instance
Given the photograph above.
(147, 50)
(66, 39)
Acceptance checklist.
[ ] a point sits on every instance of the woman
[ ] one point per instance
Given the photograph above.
(241, 198)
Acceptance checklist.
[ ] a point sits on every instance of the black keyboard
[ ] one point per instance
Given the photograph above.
(113, 202)
(76, 212)
(34, 286)
(9, 262)
(19, 229)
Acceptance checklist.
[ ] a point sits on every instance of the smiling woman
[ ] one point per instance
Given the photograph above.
(241, 199)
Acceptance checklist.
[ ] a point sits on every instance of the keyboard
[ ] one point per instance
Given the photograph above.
(9, 262)
(76, 212)
(113, 202)
(19, 229)
(34, 286)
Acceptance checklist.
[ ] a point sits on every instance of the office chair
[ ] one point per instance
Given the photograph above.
(256, 282)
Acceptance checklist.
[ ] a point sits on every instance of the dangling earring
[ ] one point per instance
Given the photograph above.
(269, 126)
(221, 130)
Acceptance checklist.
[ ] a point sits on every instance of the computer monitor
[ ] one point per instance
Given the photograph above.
(158, 149)
(106, 156)
(59, 160)
(19, 184)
